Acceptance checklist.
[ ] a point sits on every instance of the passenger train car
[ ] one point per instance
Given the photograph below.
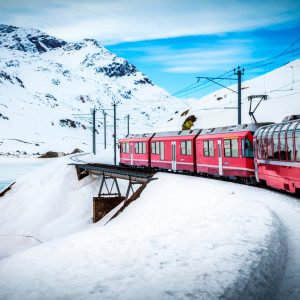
(277, 156)
(267, 153)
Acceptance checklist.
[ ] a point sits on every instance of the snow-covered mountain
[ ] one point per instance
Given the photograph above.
(46, 82)
(282, 87)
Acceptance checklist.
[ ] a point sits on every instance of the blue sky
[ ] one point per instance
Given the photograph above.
(175, 63)
(171, 41)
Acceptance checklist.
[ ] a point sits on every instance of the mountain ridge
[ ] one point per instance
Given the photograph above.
(47, 81)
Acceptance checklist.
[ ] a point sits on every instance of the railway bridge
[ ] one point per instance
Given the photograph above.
(110, 195)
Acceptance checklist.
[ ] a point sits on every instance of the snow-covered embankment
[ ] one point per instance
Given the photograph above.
(185, 237)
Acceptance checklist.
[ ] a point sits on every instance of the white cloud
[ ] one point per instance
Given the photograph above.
(134, 20)
(196, 60)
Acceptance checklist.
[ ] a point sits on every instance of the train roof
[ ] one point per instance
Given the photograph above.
(191, 132)
(234, 128)
(252, 127)
(285, 121)
(139, 135)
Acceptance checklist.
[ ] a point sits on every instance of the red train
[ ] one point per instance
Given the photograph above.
(267, 153)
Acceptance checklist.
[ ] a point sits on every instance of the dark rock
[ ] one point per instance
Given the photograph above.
(56, 81)
(12, 79)
(145, 80)
(117, 69)
(3, 117)
(52, 154)
(36, 41)
(69, 123)
(76, 150)
(50, 97)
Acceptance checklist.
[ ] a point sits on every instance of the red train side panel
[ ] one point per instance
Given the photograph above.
(226, 151)
(174, 150)
(135, 150)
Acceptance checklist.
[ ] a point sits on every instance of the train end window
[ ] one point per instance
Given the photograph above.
(247, 148)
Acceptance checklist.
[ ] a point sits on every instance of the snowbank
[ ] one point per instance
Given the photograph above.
(45, 203)
(185, 237)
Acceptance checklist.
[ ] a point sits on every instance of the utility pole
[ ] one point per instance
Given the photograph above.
(94, 130)
(104, 116)
(115, 133)
(128, 117)
(239, 74)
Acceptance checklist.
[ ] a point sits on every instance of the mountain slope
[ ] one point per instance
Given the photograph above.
(46, 82)
(282, 87)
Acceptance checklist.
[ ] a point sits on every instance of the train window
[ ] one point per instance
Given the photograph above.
(155, 148)
(290, 144)
(183, 148)
(205, 148)
(297, 143)
(270, 142)
(208, 148)
(247, 148)
(125, 147)
(259, 143)
(264, 143)
(290, 141)
(189, 147)
(243, 147)
(186, 148)
(276, 143)
(231, 148)
(140, 147)
(282, 136)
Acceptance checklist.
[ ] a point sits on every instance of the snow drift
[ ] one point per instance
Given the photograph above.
(177, 241)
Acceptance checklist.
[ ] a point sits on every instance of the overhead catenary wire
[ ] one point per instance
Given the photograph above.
(287, 53)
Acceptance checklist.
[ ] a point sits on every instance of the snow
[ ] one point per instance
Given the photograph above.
(185, 237)
(65, 81)
(178, 240)
(282, 86)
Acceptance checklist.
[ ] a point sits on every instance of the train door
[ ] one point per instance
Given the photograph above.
(173, 147)
(220, 157)
(131, 153)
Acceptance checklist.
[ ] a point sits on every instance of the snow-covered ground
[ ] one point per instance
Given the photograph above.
(185, 237)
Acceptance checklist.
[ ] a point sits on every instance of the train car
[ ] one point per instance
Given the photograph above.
(227, 151)
(277, 156)
(135, 150)
(174, 150)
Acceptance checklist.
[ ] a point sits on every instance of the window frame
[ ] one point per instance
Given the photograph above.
(230, 148)
(210, 145)
(140, 148)
(156, 147)
(125, 147)
(187, 148)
